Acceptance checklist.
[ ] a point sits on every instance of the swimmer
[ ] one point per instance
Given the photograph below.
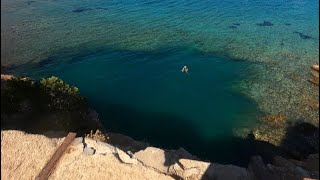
(185, 69)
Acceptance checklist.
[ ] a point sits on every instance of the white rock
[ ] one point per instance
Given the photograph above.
(125, 158)
(89, 151)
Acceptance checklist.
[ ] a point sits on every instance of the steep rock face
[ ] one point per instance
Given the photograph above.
(282, 168)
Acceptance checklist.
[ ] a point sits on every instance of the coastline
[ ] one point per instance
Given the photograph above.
(129, 146)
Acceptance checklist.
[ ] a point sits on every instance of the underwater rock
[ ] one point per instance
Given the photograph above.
(79, 10)
(303, 36)
(233, 27)
(315, 67)
(265, 23)
(30, 2)
(314, 80)
(275, 120)
(102, 8)
(315, 74)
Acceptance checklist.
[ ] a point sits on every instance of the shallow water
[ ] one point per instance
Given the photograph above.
(246, 58)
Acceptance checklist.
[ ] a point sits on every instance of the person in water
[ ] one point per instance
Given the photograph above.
(185, 69)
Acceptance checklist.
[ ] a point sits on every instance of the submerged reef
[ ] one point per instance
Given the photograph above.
(265, 23)
(303, 36)
(233, 27)
(80, 10)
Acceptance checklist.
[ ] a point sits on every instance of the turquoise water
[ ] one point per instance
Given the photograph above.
(246, 58)
(145, 95)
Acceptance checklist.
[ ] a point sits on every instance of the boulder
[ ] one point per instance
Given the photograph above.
(315, 67)
(89, 151)
(125, 158)
(194, 169)
(155, 158)
(100, 147)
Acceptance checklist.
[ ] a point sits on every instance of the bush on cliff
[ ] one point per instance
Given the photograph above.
(48, 104)
(61, 96)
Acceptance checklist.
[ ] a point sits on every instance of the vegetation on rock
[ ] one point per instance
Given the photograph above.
(60, 95)
(48, 104)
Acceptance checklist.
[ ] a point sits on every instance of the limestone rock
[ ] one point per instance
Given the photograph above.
(155, 158)
(312, 162)
(227, 172)
(125, 158)
(189, 169)
(89, 151)
(77, 141)
(315, 67)
(258, 170)
(100, 147)
(125, 143)
(194, 169)
(282, 162)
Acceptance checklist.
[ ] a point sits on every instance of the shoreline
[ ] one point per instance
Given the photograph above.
(128, 144)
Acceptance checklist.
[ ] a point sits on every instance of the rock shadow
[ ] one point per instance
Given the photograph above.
(169, 131)
(301, 140)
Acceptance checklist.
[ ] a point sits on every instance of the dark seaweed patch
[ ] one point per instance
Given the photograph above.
(232, 27)
(102, 8)
(303, 36)
(30, 2)
(47, 61)
(80, 10)
(265, 23)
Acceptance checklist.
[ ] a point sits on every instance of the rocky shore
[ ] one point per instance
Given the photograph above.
(99, 154)
(24, 155)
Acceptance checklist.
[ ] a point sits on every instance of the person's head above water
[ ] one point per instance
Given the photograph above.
(185, 69)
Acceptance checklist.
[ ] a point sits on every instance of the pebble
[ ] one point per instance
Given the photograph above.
(89, 151)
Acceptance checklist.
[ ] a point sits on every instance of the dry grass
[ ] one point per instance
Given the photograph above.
(98, 136)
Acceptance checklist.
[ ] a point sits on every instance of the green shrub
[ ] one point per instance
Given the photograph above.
(61, 96)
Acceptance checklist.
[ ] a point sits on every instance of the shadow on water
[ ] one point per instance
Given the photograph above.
(167, 129)
(301, 139)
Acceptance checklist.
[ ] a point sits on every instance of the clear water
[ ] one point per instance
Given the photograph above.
(126, 57)
(146, 96)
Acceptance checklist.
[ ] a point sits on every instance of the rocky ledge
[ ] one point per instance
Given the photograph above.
(24, 155)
